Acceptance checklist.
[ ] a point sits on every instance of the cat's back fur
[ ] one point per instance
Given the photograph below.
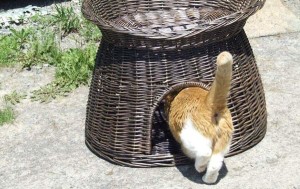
(191, 104)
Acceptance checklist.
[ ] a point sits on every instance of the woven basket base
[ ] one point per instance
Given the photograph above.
(124, 124)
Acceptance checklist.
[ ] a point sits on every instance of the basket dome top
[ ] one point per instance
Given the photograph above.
(167, 19)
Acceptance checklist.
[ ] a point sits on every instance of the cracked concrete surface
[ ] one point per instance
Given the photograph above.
(276, 17)
(44, 148)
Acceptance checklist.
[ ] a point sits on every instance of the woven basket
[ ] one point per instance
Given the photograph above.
(168, 24)
(124, 123)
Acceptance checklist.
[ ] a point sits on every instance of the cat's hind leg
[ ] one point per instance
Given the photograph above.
(202, 158)
(220, 149)
(216, 161)
(214, 165)
(195, 145)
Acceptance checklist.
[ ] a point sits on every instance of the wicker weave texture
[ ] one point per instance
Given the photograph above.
(168, 24)
(124, 124)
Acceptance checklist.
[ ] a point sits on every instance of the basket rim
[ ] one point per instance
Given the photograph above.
(89, 13)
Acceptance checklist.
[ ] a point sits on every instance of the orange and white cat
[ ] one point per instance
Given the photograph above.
(201, 122)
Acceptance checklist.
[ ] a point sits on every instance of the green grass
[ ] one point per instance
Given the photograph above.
(22, 35)
(42, 21)
(76, 66)
(40, 44)
(89, 31)
(74, 69)
(6, 116)
(14, 98)
(42, 48)
(9, 51)
(67, 20)
(29, 48)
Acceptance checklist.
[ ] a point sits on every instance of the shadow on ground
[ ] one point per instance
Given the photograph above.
(9, 4)
(189, 172)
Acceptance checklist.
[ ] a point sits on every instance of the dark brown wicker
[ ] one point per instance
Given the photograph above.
(153, 48)
(168, 24)
(124, 124)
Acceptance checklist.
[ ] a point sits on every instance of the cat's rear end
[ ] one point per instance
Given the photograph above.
(201, 122)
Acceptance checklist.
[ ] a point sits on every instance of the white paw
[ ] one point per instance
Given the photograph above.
(201, 169)
(210, 179)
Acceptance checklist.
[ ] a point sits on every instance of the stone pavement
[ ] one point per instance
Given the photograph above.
(276, 17)
(45, 148)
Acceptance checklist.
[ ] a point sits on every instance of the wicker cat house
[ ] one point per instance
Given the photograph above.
(153, 48)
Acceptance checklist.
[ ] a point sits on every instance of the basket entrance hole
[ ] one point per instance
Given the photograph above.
(162, 141)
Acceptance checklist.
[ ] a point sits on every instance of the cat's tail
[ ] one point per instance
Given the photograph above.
(217, 96)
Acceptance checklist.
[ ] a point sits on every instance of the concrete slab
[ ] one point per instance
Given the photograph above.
(274, 18)
(45, 148)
